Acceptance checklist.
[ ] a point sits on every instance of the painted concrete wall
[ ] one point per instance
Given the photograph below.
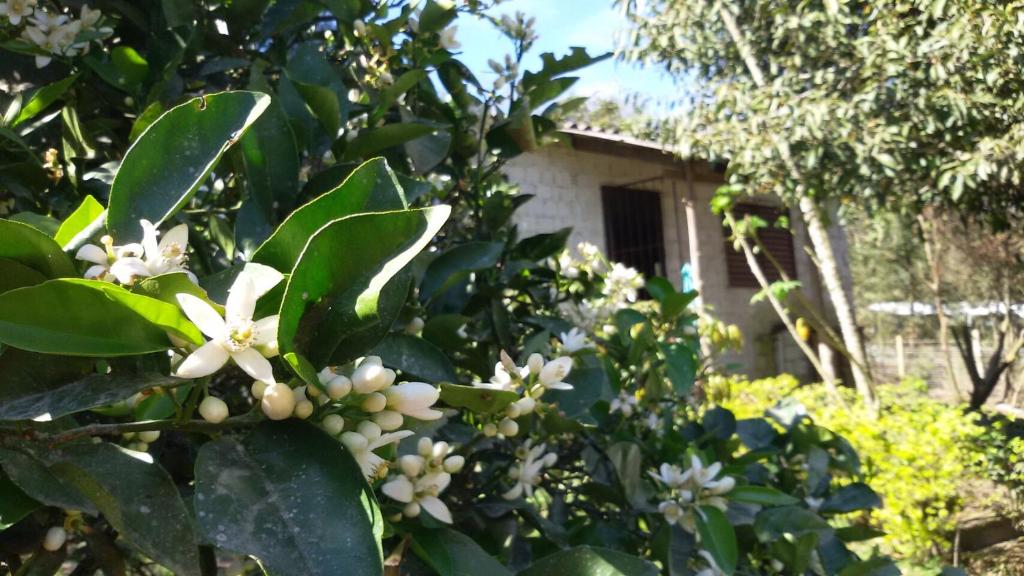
(567, 187)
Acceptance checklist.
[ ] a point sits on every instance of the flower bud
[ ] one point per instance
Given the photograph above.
(55, 539)
(339, 387)
(149, 436)
(508, 427)
(454, 464)
(300, 393)
(370, 430)
(412, 509)
(257, 389)
(303, 409)
(370, 378)
(374, 402)
(333, 424)
(411, 465)
(278, 401)
(440, 450)
(388, 420)
(139, 446)
(535, 362)
(365, 360)
(354, 441)
(550, 459)
(513, 410)
(425, 447)
(213, 409)
(414, 399)
(415, 326)
(312, 392)
(526, 405)
(490, 430)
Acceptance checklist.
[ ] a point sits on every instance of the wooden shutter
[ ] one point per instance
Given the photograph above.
(633, 229)
(776, 240)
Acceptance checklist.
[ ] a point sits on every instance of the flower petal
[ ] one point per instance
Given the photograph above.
(436, 508)
(202, 315)
(254, 364)
(400, 489)
(515, 492)
(97, 271)
(266, 330)
(389, 438)
(92, 253)
(149, 242)
(264, 278)
(558, 386)
(177, 235)
(209, 358)
(241, 299)
(128, 269)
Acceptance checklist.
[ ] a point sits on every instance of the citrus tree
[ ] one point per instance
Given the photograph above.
(264, 307)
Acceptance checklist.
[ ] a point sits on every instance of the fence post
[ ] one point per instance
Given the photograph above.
(901, 362)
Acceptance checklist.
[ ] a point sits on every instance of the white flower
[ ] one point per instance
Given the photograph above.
(46, 21)
(625, 403)
(574, 340)
(237, 335)
(704, 477)
(672, 511)
(447, 38)
(163, 257)
(361, 447)
(104, 258)
(672, 476)
(58, 40)
(414, 399)
(15, 10)
(507, 376)
(527, 473)
(554, 372)
(423, 491)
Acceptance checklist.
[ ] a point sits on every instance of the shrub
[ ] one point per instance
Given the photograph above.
(916, 453)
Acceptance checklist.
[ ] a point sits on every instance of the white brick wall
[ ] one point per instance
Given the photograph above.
(567, 187)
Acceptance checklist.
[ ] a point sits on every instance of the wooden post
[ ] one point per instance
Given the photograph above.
(901, 361)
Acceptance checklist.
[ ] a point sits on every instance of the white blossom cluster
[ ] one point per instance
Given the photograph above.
(127, 263)
(367, 409)
(421, 479)
(688, 490)
(53, 32)
(529, 469)
(620, 286)
(530, 381)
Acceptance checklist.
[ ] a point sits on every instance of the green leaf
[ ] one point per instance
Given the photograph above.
(763, 495)
(627, 458)
(371, 141)
(42, 98)
(326, 284)
(372, 187)
(388, 96)
(17, 403)
(14, 274)
(551, 66)
(324, 103)
(680, 367)
(452, 553)
(590, 561)
(436, 17)
(415, 357)
(445, 270)
(718, 537)
(588, 386)
(443, 331)
(477, 400)
(136, 496)
(37, 481)
(659, 288)
(288, 494)
(165, 166)
(271, 160)
(80, 220)
(41, 222)
(27, 245)
(178, 12)
(364, 334)
(541, 246)
(14, 504)
(850, 498)
(166, 288)
(89, 318)
(872, 567)
(773, 523)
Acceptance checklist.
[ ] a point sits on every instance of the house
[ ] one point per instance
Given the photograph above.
(651, 210)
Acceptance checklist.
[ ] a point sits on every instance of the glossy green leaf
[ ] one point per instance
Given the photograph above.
(477, 400)
(371, 187)
(718, 537)
(373, 141)
(415, 357)
(165, 166)
(290, 495)
(42, 98)
(364, 333)
(14, 504)
(166, 288)
(17, 403)
(590, 561)
(41, 222)
(35, 479)
(456, 262)
(327, 284)
(324, 103)
(27, 245)
(627, 459)
(763, 495)
(271, 160)
(443, 331)
(452, 553)
(541, 246)
(80, 220)
(388, 96)
(772, 523)
(89, 318)
(680, 367)
(136, 496)
(588, 386)
(850, 498)
(436, 16)
(14, 274)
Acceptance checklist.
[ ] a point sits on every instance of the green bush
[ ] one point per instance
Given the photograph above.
(917, 453)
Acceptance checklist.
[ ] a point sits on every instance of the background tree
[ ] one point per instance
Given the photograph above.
(895, 106)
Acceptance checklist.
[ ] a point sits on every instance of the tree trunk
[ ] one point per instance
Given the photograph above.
(843, 305)
(932, 253)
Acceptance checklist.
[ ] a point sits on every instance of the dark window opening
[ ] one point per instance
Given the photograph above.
(778, 241)
(633, 229)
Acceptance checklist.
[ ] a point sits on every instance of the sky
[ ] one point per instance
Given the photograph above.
(561, 24)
